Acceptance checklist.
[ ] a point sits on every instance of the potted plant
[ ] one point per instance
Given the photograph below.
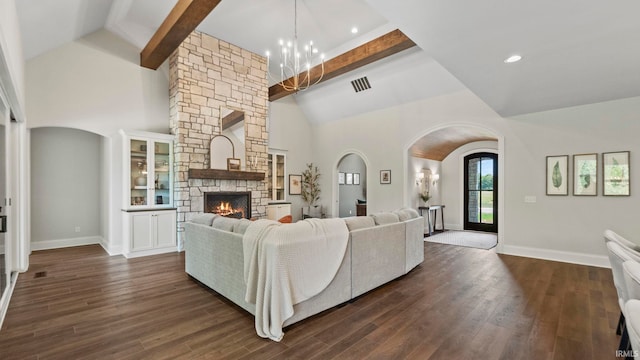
(311, 189)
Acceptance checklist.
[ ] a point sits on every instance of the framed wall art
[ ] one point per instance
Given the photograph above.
(349, 179)
(233, 164)
(385, 176)
(295, 184)
(615, 174)
(557, 175)
(356, 179)
(585, 175)
(340, 178)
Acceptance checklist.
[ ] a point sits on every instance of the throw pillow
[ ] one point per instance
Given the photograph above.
(359, 222)
(204, 219)
(385, 218)
(224, 223)
(241, 226)
(405, 214)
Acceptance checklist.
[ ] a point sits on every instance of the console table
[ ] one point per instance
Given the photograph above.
(433, 209)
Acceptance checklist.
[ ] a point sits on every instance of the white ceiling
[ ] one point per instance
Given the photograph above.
(574, 51)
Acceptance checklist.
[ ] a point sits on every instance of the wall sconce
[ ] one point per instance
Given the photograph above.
(419, 178)
(435, 178)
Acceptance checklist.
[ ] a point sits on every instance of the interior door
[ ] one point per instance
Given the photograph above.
(481, 192)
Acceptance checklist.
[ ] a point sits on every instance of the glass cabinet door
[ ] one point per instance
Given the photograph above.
(139, 172)
(162, 173)
(276, 184)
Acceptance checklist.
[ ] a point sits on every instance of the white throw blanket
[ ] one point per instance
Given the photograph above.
(285, 264)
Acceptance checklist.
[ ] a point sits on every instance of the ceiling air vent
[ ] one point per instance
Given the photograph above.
(361, 84)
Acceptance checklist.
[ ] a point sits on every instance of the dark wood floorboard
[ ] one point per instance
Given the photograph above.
(461, 303)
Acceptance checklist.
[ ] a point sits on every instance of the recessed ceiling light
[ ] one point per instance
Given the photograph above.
(512, 59)
(354, 30)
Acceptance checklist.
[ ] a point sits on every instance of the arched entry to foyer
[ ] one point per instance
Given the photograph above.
(441, 150)
(352, 185)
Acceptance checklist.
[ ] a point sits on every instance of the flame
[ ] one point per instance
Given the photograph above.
(225, 209)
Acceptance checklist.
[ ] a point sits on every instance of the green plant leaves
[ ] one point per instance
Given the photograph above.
(556, 176)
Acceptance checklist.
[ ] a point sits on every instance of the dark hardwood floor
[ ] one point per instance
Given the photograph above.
(461, 303)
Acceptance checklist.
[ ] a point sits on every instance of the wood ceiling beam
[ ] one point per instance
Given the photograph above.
(376, 49)
(181, 21)
(232, 119)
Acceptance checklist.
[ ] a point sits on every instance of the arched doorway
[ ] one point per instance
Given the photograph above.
(352, 185)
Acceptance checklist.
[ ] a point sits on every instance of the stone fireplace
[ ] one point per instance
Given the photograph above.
(228, 203)
(207, 75)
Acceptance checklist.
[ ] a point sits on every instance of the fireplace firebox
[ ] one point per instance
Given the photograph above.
(235, 204)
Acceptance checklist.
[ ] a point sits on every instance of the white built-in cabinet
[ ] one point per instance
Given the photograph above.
(277, 211)
(149, 216)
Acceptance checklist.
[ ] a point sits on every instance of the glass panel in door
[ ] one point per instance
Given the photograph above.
(139, 172)
(162, 173)
(4, 274)
(481, 178)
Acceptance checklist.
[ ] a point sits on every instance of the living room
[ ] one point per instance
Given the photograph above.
(95, 84)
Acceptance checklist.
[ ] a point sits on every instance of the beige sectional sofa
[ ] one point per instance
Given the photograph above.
(381, 247)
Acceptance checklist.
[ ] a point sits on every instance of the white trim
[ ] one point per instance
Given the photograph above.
(112, 251)
(135, 254)
(335, 189)
(63, 243)
(6, 298)
(556, 255)
(501, 167)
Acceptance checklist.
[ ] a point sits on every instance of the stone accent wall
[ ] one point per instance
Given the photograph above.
(207, 74)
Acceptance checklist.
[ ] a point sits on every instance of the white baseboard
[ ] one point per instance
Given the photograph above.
(135, 254)
(556, 255)
(63, 243)
(111, 250)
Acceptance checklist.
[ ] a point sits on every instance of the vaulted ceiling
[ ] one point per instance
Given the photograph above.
(574, 51)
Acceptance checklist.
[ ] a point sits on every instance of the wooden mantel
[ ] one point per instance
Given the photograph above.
(225, 174)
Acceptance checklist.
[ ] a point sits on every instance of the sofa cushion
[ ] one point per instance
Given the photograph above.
(384, 218)
(224, 223)
(405, 214)
(241, 226)
(204, 219)
(359, 222)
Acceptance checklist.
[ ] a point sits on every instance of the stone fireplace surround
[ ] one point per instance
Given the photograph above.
(206, 75)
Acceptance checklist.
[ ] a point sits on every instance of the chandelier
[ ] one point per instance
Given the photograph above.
(295, 66)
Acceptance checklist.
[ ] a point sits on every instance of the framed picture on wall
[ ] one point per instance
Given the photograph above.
(385, 176)
(340, 178)
(295, 184)
(615, 170)
(349, 179)
(557, 175)
(356, 179)
(585, 175)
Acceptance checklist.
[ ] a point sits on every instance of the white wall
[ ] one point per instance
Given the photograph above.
(65, 187)
(11, 58)
(563, 228)
(413, 194)
(96, 84)
(452, 182)
(290, 133)
(348, 194)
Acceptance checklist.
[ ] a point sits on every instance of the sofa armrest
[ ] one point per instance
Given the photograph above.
(414, 243)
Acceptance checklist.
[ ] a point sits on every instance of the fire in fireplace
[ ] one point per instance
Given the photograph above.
(229, 204)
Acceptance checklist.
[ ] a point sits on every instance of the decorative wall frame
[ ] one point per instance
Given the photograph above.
(349, 180)
(295, 184)
(233, 164)
(340, 178)
(356, 179)
(385, 176)
(616, 169)
(557, 175)
(585, 174)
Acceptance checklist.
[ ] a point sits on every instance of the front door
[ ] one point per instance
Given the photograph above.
(480, 192)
